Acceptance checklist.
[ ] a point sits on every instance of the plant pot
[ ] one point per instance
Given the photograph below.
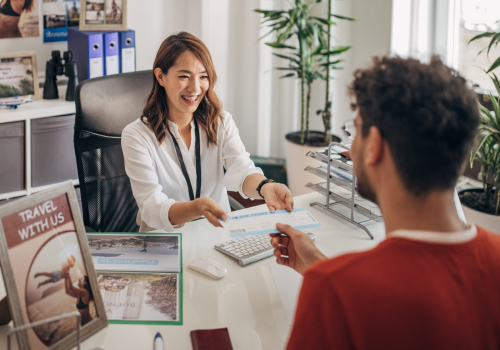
(487, 221)
(297, 160)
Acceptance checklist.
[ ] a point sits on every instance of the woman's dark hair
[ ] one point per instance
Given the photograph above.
(88, 288)
(29, 5)
(156, 110)
(425, 112)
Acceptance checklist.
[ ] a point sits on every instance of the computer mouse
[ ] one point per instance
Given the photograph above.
(208, 267)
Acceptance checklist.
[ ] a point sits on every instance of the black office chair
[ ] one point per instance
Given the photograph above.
(104, 106)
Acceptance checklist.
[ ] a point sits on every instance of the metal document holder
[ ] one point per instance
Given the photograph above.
(338, 181)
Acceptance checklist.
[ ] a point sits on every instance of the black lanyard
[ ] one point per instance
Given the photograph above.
(198, 162)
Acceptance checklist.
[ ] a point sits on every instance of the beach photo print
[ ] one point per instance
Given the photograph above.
(139, 276)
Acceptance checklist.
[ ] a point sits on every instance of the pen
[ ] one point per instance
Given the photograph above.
(158, 342)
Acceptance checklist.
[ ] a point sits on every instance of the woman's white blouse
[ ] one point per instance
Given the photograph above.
(156, 176)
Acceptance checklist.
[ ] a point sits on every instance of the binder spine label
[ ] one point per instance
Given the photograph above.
(95, 67)
(128, 60)
(112, 66)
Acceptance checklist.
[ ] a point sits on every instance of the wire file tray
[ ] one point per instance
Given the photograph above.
(340, 181)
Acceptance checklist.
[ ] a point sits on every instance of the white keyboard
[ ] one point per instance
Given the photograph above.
(250, 249)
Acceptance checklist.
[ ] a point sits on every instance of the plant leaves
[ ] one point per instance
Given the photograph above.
(287, 58)
(495, 65)
(287, 75)
(496, 82)
(483, 35)
(281, 46)
(325, 21)
(494, 40)
(314, 31)
(288, 68)
(342, 17)
(262, 37)
(336, 51)
(479, 145)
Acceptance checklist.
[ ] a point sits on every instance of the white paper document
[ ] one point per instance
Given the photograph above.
(265, 223)
(288, 281)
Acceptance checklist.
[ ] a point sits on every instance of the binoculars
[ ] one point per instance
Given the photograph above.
(55, 67)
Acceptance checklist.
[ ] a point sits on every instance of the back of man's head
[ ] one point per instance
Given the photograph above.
(427, 114)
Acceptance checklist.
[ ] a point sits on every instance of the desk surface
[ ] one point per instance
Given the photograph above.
(246, 301)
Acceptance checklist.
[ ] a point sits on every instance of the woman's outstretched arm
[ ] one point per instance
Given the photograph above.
(69, 286)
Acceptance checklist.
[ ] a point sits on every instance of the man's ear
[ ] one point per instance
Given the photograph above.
(375, 146)
(159, 75)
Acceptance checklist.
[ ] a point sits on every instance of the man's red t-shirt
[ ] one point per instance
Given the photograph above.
(403, 294)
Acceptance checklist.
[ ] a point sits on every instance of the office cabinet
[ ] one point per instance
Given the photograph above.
(11, 157)
(52, 152)
(36, 146)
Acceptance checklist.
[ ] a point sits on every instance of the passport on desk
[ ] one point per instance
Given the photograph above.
(211, 339)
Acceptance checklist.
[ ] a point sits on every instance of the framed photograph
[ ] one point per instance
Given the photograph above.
(47, 268)
(18, 75)
(142, 298)
(139, 276)
(103, 15)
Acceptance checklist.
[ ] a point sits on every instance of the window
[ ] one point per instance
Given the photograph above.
(476, 17)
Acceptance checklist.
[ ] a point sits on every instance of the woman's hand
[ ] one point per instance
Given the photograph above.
(277, 196)
(182, 212)
(211, 210)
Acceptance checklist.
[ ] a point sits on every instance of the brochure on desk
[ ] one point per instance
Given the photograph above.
(139, 276)
(265, 222)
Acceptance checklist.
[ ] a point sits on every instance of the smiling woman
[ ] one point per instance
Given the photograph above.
(176, 152)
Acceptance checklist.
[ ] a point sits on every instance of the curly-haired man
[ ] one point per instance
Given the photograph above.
(434, 283)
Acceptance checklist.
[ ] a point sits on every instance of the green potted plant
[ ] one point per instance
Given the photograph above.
(482, 205)
(306, 40)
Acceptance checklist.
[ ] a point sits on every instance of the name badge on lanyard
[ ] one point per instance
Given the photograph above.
(198, 162)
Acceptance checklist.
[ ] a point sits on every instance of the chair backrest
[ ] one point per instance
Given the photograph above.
(104, 106)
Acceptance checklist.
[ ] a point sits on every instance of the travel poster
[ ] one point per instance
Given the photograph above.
(48, 268)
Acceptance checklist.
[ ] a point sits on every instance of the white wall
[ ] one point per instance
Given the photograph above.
(264, 107)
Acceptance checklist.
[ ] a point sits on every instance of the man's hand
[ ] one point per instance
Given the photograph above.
(277, 196)
(295, 250)
(211, 209)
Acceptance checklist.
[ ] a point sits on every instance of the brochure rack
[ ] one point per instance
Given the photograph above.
(334, 181)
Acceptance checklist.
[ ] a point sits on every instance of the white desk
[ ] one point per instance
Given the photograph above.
(246, 301)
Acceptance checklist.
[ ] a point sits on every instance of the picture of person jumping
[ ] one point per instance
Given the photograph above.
(56, 275)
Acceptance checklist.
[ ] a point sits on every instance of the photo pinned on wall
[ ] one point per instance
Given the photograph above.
(103, 15)
(54, 21)
(58, 15)
(48, 270)
(73, 13)
(18, 75)
(19, 19)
